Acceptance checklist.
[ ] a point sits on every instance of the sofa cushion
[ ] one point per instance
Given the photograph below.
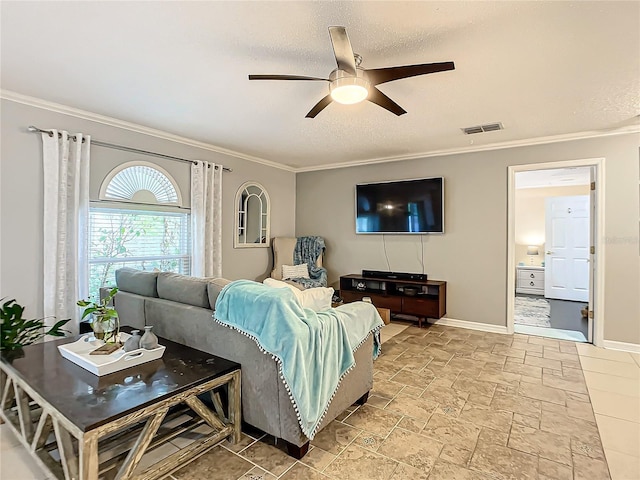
(130, 308)
(214, 288)
(139, 282)
(183, 289)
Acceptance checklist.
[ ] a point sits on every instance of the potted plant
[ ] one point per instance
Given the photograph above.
(105, 322)
(17, 332)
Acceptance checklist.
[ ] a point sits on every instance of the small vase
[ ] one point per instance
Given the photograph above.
(105, 329)
(149, 340)
(133, 342)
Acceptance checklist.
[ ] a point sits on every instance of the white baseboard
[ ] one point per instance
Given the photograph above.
(483, 327)
(626, 347)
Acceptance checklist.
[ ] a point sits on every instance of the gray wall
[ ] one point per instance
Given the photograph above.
(21, 181)
(472, 254)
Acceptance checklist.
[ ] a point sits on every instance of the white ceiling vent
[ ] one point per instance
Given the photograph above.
(489, 127)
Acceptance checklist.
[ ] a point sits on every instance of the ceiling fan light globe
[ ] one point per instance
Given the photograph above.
(349, 90)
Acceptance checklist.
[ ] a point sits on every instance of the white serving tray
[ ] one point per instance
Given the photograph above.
(78, 353)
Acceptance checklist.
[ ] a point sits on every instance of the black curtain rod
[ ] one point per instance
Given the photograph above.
(98, 143)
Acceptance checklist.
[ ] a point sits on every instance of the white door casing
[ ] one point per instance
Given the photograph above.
(567, 241)
(593, 238)
(597, 305)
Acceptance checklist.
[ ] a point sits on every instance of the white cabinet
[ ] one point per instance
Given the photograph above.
(530, 279)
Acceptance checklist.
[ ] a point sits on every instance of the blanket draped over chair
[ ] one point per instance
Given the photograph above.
(308, 250)
(314, 350)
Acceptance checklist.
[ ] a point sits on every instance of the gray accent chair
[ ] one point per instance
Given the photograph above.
(180, 309)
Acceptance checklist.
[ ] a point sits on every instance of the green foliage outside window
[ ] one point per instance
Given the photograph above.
(138, 239)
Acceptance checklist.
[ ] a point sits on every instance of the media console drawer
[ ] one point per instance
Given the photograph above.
(420, 306)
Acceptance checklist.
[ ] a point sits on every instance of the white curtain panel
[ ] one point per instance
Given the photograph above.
(206, 219)
(66, 217)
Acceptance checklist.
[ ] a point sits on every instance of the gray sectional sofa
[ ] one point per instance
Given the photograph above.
(180, 309)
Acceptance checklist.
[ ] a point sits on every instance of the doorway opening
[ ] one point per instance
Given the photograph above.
(553, 256)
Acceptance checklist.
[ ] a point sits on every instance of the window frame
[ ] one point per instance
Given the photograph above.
(122, 205)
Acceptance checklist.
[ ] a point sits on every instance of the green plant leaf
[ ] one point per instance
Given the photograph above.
(88, 311)
(17, 331)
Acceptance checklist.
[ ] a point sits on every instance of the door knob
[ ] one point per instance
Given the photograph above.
(549, 252)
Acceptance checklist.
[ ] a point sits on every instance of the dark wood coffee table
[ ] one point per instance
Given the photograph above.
(104, 425)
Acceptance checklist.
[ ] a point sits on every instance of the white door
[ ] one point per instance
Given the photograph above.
(567, 233)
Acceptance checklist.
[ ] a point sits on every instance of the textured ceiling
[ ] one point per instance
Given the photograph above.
(540, 68)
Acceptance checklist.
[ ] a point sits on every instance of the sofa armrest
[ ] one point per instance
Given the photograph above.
(195, 327)
(130, 307)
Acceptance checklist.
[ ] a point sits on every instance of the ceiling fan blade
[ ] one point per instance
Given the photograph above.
(319, 107)
(379, 98)
(285, 77)
(342, 49)
(382, 75)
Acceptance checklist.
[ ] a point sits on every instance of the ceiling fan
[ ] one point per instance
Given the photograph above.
(350, 83)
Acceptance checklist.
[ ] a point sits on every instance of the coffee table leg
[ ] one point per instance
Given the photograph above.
(7, 393)
(235, 407)
(89, 457)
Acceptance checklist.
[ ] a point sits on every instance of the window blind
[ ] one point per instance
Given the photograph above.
(145, 240)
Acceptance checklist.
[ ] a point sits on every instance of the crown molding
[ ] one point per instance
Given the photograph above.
(133, 127)
(483, 148)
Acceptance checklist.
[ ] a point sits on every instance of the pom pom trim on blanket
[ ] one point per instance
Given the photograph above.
(309, 433)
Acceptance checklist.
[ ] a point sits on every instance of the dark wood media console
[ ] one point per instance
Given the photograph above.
(428, 298)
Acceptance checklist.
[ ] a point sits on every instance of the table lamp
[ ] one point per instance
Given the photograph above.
(531, 251)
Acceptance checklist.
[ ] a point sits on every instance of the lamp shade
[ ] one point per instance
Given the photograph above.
(532, 250)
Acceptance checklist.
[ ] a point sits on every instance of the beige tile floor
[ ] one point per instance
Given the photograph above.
(451, 404)
(613, 381)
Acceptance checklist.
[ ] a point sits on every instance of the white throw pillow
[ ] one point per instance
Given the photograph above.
(295, 271)
(317, 299)
(272, 282)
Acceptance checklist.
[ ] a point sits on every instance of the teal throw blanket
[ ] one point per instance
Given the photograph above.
(314, 351)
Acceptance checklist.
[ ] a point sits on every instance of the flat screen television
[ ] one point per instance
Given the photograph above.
(401, 207)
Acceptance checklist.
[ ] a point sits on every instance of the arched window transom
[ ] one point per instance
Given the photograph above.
(141, 183)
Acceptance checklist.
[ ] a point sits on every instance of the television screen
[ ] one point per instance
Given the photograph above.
(407, 206)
